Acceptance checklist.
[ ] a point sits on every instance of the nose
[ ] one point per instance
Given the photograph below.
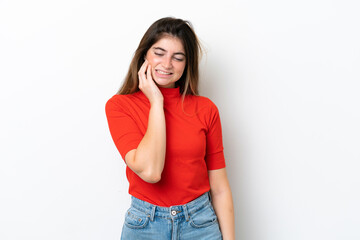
(167, 62)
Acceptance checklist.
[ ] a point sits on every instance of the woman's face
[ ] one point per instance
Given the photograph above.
(167, 60)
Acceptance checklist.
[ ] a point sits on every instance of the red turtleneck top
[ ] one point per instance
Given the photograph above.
(193, 144)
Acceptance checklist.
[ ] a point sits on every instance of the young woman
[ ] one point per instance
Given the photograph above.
(170, 139)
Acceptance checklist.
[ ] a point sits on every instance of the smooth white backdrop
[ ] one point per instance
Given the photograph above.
(284, 74)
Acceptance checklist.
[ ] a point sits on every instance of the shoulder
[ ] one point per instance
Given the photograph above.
(121, 99)
(204, 108)
(204, 102)
(115, 101)
(122, 102)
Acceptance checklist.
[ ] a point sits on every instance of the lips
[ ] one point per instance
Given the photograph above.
(163, 72)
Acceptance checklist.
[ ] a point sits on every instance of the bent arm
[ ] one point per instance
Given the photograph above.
(222, 202)
(147, 161)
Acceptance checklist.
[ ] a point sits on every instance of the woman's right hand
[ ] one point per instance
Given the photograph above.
(148, 86)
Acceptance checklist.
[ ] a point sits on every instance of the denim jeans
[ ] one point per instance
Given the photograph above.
(194, 220)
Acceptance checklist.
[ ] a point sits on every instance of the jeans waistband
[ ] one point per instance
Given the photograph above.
(174, 212)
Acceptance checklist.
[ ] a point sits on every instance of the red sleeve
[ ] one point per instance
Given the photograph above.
(214, 146)
(123, 129)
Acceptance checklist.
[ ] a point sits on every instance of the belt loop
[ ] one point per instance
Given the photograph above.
(152, 214)
(186, 213)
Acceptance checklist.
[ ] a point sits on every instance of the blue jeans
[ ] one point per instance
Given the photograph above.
(194, 220)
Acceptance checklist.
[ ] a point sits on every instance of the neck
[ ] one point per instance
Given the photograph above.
(170, 92)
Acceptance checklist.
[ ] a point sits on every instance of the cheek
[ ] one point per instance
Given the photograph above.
(153, 60)
(180, 69)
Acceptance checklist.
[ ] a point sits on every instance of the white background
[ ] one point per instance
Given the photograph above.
(284, 74)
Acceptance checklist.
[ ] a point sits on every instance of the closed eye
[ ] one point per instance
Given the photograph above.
(179, 59)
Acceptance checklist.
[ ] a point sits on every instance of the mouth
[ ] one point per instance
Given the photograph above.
(163, 72)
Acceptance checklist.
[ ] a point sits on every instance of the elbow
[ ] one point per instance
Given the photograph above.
(147, 172)
(151, 177)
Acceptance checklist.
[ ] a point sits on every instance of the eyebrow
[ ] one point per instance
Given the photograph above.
(159, 48)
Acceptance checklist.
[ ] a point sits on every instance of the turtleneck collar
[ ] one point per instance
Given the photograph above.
(170, 92)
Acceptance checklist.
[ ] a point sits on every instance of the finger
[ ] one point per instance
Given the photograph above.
(141, 73)
(144, 65)
(142, 69)
(148, 73)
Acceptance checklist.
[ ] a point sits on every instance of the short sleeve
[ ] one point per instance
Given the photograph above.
(123, 129)
(214, 145)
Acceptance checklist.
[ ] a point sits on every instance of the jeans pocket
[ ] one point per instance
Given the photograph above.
(136, 219)
(204, 217)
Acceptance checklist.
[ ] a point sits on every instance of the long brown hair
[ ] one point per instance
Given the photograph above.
(188, 82)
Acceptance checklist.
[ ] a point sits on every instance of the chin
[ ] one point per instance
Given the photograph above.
(164, 83)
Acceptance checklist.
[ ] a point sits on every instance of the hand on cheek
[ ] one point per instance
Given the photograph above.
(147, 84)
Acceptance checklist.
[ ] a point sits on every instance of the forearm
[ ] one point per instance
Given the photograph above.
(150, 153)
(224, 208)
